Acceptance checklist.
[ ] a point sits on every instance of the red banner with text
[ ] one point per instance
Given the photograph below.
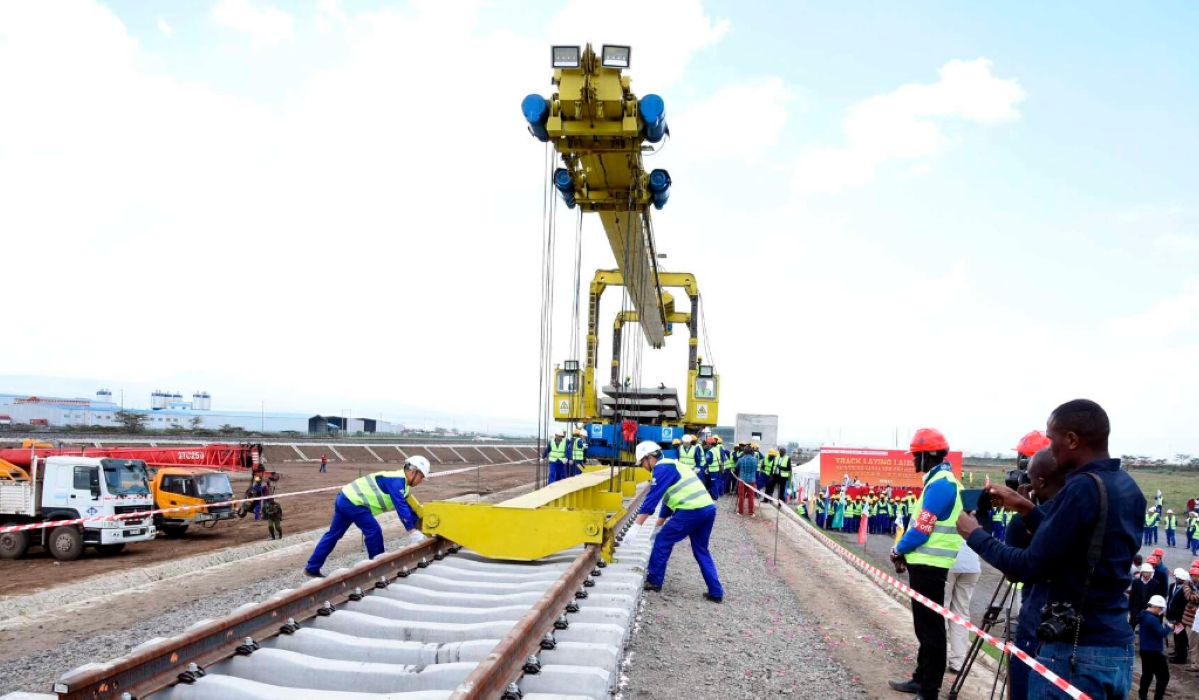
(879, 467)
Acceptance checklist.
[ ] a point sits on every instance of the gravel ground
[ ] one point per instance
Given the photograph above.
(36, 672)
(760, 642)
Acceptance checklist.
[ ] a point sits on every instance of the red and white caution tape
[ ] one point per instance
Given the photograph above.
(1008, 647)
(139, 515)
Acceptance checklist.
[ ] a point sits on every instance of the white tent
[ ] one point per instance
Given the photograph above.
(807, 476)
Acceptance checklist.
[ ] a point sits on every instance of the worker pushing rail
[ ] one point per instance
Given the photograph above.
(364, 499)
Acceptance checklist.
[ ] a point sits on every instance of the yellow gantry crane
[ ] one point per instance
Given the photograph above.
(601, 129)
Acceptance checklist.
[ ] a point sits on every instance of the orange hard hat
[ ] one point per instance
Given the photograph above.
(1159, 552)
(1032, 443)
(1153, 559)
(1195, 571)
(928, 440)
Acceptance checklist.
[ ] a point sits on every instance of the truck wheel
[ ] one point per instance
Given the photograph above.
(108, 550)
(13, 545)
(174, 531)
(66, 543)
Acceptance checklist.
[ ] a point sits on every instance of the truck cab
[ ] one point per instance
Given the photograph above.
(190, 486)
(69, 488)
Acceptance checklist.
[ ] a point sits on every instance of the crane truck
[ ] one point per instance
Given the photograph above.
(69, 488)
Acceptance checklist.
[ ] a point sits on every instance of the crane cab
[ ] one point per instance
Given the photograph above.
(568, 392)
(703, 406)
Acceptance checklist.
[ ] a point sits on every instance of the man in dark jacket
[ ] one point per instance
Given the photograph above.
(1153, 651)
(1143, 588)
(1176, 606)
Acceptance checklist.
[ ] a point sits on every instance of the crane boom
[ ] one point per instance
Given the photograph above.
(599, 128)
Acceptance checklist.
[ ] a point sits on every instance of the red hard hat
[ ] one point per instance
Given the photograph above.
(1032, 443)
(1153, 559)
(928, 440)
(1159, 552)
(1195, 571)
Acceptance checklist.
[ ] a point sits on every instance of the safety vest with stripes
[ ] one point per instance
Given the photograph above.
(688, 493)
(729, 462)
(1171, 522)
(558, 450)
(943, 544)
(1151, 520)
(717, 453)
(365, 491)
(578, 452)
(785, 467)
(687, 455)
(768, 464)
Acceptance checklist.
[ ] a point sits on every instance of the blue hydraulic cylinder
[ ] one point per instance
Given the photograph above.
(565, 185)
(659, 187)
(537, 112)
(653, 114)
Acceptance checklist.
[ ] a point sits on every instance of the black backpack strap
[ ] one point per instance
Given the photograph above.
(1096, 548)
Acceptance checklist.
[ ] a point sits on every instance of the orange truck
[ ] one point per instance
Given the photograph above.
(190, 486)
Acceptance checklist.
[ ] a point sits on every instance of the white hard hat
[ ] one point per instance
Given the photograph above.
(1146, 568)
(1157, 602)
(1182, 574)
(1169, 510)
(559, 433)
(687, 438)
(418, 463)
(646, 448)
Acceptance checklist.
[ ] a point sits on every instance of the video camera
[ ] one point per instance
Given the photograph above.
(1019, 476)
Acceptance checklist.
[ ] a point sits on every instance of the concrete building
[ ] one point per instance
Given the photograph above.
(173, 411)
(759, 428)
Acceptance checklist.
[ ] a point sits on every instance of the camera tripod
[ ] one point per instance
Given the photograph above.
(1003, 600)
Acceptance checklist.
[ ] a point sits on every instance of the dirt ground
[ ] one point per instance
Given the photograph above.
(870, 634)
(39, 571)
(1182, 684)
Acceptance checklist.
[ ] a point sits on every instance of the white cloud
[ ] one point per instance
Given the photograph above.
(709, 122)
(331, 13)
(664, 35)
(267, 26)
(906, 124)
(167, 30)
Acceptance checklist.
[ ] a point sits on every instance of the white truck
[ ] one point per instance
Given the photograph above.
(66, 488)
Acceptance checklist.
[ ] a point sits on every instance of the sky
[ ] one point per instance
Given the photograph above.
(956, 216)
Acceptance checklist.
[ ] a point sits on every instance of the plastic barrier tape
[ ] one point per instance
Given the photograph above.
(144, 513)
(1009, 647)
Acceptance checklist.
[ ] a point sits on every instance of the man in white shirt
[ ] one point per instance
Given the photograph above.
(959, 589)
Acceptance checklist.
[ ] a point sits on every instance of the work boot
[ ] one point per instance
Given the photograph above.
(714, 599)
(908, 686)
(313, 574)
(652, 587)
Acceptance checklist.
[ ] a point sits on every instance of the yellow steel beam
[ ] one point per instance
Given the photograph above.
(567, 513)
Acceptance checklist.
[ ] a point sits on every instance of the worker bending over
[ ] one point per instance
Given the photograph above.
(365, 498)
(687, 511)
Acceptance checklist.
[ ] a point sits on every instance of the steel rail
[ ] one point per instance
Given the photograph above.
(160, 665)
(504, 665)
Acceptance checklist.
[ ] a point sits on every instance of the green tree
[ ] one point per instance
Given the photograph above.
(132, 422)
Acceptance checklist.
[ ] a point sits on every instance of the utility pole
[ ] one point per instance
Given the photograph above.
(262, 425)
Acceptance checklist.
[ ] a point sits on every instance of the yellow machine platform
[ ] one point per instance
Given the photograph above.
(565, 514)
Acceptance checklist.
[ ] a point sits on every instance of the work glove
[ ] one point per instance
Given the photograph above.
(416, 537)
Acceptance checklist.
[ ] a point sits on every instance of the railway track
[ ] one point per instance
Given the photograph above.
(430, 622)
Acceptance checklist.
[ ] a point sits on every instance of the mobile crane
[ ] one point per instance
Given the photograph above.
(600, 129)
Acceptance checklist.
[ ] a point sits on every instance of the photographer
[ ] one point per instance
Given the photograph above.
(1044, 482)
(1084, 631)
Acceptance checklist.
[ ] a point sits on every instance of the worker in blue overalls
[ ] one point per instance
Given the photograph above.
(688, 511)
(364, 499)
(557, 451)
